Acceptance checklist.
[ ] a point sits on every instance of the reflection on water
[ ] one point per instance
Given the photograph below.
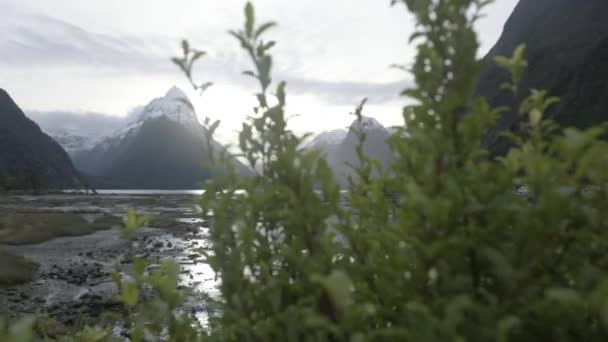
(195, 274)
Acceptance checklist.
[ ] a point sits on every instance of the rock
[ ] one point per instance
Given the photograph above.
(567, 49)
(30, 157)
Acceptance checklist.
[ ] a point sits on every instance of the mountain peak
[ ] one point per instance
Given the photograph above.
(326, 138)
(174, 106)
(175, 93)
(366, 123)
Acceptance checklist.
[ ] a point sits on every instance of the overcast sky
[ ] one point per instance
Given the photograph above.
(110, 56)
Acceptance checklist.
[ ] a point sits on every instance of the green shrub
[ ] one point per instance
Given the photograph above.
(456, 252)
(444, 244)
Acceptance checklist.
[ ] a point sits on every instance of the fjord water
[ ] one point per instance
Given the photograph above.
(142, 192)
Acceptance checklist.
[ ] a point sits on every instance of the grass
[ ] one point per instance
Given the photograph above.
(165, 223)
(17, 228)
(15, 269)
(31, 227)
(22, 228)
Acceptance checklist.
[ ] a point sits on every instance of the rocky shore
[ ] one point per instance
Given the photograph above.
(72, 283)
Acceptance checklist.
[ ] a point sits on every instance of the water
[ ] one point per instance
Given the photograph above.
(142, 192)
(63, 261)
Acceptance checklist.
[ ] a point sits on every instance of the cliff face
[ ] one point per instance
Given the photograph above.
(28, 157)
(567, 52)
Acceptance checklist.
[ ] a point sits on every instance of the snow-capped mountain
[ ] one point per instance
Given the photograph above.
(174, 106)
(162, 147)
(327, 141)
(374, 132)
(72, 143)
(76, 132)
(375, 146)
(366, 124)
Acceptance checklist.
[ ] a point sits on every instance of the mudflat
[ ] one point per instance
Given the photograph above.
(57, 251)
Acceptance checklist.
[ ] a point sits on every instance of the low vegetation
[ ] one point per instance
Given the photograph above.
(15, 269)
(164, 222)
(22, 228)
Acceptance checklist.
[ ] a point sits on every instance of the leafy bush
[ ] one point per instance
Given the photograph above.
(444, 244)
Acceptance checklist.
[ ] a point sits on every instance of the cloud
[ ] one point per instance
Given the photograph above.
(108, 56)
(42, 40)
(89, 124)
(349, 93)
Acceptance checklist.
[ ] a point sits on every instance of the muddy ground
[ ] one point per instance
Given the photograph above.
(72, 282)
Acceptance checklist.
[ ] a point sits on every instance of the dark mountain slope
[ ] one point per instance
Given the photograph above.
(344, 154)
(163, 155)
(28, 157)
(163, 148)
(567, 52)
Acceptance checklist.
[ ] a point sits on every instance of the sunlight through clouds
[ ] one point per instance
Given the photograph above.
(111, 56)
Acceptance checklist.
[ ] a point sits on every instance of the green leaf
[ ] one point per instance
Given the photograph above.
(535, 117)
(130, 293)
(132, 223)
(505, 326)
(264, 69)
(263, 28)
(250, 73)
(281, 93)
(22, 330)
(240, 38)
(249, 19)
(185, 47)
(139, 266)
(214, 127)
(263, 48)
(338, 286)
(92, 334)
(565, 296)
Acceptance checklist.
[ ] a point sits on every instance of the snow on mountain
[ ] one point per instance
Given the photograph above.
(338, 136)
(366, 124)
(76, 131)
(327, 138)
(374, 146)
(174, 106)
(73, 142)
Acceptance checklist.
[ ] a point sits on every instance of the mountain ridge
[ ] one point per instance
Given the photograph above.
(567, 46)
(29, 157)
